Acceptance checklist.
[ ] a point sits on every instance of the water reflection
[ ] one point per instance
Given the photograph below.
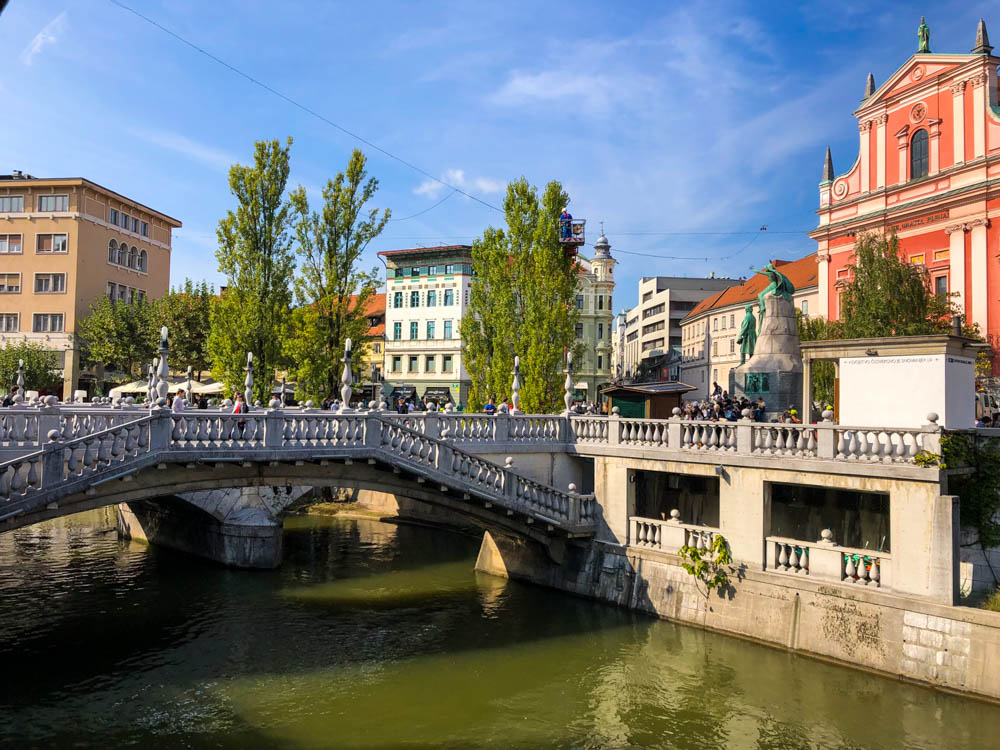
(374, 635)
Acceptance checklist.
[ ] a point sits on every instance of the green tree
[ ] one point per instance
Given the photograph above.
(120, 334)
(886, 296)
(332, 291)
(256, 257)
(187, 313)
(823, 373)
(41, 366)
(522, 302)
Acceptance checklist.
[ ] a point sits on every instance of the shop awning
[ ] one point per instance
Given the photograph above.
(402, 392)
(439, 394)
(581, 386)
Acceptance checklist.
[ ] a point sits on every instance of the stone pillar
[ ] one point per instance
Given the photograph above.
(865, 129)
(880, 147)
(934, 144)
(924, 528)
(979, 94)
(71, 371)
(980, 300)
(616, 496)
(743, 514)
(958, 121)
(956, 264)
(903, 143)
(823, 283)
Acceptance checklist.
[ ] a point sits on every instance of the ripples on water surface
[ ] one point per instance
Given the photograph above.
(379, 636)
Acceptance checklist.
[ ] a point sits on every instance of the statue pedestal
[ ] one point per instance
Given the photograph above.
(774, 372)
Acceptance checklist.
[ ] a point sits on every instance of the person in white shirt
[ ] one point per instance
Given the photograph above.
(178, 405)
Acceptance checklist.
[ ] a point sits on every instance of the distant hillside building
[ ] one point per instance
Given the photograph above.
(64, 242)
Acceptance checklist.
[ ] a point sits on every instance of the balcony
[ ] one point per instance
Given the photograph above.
(423, 345)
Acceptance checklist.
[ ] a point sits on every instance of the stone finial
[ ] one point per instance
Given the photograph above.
(274, 403)
(54, 436)
(508, 462)
(826, 537)
(675, 516)
(615, 411)
(827, 415)
(248, 381)
(983, 46)
(827, 168)
(515, 388)
(869, 87)
(676, 411)
(745, 414)
(568, 383)
(572, 488)
(932, 417)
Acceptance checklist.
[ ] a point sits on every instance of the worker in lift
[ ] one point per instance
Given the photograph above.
(565, 224)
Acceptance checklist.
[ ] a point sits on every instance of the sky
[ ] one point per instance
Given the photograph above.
(684, 127)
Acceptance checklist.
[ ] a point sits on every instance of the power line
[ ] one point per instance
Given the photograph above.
(419, 213)
(298, 104)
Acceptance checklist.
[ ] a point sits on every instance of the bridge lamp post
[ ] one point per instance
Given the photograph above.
(568, 384)
(162, 386)
(346, 378)
(188, 390)
(248, 382)
(20, 380)
(515, 388)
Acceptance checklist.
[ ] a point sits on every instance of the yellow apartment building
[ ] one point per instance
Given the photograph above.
(63, 243)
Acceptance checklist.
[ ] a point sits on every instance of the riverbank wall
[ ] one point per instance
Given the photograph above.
(948, 647)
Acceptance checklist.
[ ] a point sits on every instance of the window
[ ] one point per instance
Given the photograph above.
(10, 283)
(715, 324)
(449, 297)
(135, 225)
(397, 364)
(397, 299)
(141, 297)
(13, 204)
(414, 272)
(805, 307)
(579, 302)
(732, 346)
(112, 290)
(449, 269)
(143, 261)
(144, 229)
(732, 320)
(647, 296)
(53, 203)
(398, 273)
(447, 329)
(50, 283)
(124, 220)
(432, 298)
(123, 254)
(113, 216)
(414, 330)
(655, 310)
(9, 322)
(919, 161)
(600, 362)
(600, 331)
(432, 270)
(397, 331)
(940, 285)
(446, 363)
(723, 322)
(414, 364)
(715, 348)
(715, 376)
(579, 330)
(10, 243)
(50, 243)
(122, 292)
(133, 258)
(377, 348)
(47, 322)
(917, 260)
(131, 296)
(600, 301)
(430, 329)
(429, 363)
(414, 299)
(112, 252)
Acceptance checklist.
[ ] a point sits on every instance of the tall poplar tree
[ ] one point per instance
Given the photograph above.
(255, 256)
(332, 291)
(522, 303)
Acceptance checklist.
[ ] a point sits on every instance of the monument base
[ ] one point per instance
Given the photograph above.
(780, 390)
(774, 372)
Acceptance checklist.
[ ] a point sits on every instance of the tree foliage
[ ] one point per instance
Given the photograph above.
(41, 366)
(256, 257)
(521, 303)
(186, 312)
(823, 373)
(886, 296)
(120, 334)
(332, 291)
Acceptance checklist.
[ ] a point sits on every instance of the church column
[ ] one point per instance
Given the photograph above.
(881, 120)
(823, 285)
(980, 300)
(956, 264)
(864, 129)
(903, 139)
(958, 120)
(979, 114)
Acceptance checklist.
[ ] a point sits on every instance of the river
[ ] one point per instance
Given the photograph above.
(375, 635)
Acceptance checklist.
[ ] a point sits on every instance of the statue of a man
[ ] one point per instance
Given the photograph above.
(924, 36)
(748, 335)
(780, 286)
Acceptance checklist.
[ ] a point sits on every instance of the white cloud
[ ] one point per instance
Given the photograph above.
(456, 177)
(594, 93)
(47, 37)
(186, 147)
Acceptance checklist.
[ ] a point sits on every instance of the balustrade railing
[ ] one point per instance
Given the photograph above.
(827, 561)
(18, 428)
(469, 428)
(872, 444)
(669, 535)
(531, 428)
(592, 430)
(310, 430)
(647, 433)
(193, 429)
(783, 440)
(719, 437)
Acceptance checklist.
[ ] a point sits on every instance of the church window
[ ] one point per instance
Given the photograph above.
(919, 160)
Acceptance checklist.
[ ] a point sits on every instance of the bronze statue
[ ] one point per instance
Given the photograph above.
(780, 286)
(924, 35)
(748, 335)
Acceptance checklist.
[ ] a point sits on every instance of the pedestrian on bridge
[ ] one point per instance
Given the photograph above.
(178, 406)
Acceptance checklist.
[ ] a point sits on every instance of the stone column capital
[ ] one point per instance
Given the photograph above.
(957, 88)
(978, 80)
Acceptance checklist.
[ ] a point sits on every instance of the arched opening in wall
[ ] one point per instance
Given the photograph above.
(919, 159)
(123, 254)
(143, 260)
(112, 252)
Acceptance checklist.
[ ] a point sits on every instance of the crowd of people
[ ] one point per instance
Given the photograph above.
(721, 407)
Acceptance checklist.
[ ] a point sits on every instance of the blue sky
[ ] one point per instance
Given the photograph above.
(659, 118)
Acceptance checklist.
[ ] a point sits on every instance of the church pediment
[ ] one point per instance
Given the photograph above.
(917, 71)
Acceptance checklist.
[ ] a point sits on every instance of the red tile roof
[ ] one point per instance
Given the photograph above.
(374, 309)
(802, 273)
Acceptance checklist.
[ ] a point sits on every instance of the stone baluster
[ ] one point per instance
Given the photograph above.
(782, 560)
(248, 382)
(162, 384)
(346, 379)
(850, 569)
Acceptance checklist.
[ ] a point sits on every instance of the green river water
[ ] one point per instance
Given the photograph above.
(374, 635)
